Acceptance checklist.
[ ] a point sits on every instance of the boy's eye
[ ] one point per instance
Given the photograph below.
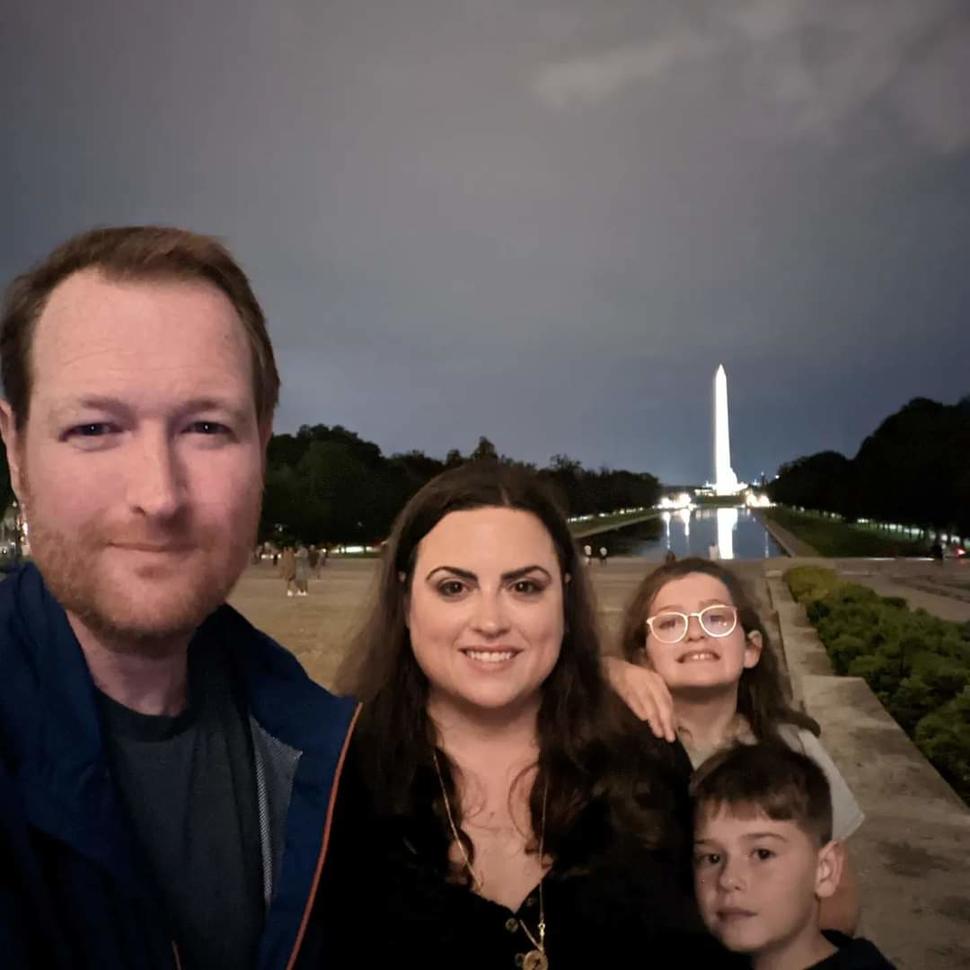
(764, 854)
(708, 859)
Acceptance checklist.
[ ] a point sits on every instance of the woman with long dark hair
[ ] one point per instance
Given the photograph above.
(500, 807)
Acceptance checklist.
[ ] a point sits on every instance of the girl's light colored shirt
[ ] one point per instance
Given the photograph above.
(847, 816)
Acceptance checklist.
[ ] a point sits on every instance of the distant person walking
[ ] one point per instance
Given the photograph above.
(288, 569)
(936, 550)
(314, 560)
(603, 554)
(302, 574)
(588, 553)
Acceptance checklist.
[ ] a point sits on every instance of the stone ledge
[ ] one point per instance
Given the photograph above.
(911, 853)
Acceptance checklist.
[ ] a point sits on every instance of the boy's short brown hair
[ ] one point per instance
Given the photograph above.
(126, 253)
(770, 778)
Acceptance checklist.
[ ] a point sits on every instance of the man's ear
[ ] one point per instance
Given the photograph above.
(753, 645)
(12, 439)
(828, 871)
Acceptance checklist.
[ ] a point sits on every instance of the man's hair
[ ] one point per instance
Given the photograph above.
(768, 778)
(124, 254)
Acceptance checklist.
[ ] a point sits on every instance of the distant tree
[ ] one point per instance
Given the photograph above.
(484, 451)
(913, 468)
(822, 481)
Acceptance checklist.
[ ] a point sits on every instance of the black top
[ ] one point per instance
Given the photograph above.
(188, 785)
(386, 900)
(852, 954)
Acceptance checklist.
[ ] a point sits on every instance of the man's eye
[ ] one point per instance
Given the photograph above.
(94, 429)
(207, 427)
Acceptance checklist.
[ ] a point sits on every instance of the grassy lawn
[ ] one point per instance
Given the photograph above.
(832, 537)
(595, 525)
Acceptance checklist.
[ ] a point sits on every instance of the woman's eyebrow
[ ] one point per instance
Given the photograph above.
(515, 574)
(463, 573)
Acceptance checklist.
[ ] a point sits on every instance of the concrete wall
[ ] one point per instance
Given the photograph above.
(913, 851)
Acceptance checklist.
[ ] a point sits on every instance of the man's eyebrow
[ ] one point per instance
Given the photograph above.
(114, 405)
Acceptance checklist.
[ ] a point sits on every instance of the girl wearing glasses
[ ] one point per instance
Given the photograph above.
(706, 672)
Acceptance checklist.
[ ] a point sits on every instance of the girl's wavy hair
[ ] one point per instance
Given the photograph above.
(584, 733)
(762, 697)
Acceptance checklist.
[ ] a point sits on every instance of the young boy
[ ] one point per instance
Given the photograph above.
(764, 857)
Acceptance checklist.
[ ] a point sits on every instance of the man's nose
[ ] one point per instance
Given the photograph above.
(155, 485)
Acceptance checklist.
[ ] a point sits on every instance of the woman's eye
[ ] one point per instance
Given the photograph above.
(527, 587)
(451, 587)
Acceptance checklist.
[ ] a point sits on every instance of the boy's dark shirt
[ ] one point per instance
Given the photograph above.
(852, 954)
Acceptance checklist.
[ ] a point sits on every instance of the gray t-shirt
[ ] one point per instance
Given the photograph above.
(188, 784)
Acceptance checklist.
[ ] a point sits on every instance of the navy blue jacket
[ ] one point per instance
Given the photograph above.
(70, 893)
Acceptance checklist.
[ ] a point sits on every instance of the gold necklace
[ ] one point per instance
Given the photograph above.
(535, 959)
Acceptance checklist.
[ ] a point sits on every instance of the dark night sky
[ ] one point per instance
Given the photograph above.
(545, 221)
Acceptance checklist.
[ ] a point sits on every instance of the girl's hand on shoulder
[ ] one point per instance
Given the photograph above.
(645, 693)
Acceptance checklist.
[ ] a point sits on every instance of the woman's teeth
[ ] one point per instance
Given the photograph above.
(490, 656)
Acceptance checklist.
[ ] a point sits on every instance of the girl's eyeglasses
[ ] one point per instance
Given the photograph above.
(715, 621)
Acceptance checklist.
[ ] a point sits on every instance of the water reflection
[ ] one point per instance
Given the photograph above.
(727, 522)
(734, 531)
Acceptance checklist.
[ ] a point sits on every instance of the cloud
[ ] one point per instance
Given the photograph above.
(588, 80)
(814, 67)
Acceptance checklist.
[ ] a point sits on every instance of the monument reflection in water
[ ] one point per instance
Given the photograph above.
(736, 531)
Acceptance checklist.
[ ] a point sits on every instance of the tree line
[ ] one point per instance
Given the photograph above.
(913, 469)
(328, 485)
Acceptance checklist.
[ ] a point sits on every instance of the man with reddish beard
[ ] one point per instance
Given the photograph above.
(166, 771)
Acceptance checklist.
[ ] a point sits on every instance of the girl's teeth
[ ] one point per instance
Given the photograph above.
(490, 656)
(703, 655)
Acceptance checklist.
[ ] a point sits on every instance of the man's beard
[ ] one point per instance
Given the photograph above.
(165, 608)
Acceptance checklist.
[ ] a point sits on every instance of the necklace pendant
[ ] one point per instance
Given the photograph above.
(535, 960)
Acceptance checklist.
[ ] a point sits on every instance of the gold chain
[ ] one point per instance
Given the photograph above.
(479, 884)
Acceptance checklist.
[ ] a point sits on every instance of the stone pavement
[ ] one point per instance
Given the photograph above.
(912, 852)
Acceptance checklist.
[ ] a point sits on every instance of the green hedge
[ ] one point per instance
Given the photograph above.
(917, 665)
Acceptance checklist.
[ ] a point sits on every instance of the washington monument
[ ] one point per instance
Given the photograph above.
(725, 481)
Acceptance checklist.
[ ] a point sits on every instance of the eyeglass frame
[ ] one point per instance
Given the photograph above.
(700, 619)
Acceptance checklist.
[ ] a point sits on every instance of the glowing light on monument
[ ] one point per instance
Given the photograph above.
(725, 481)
